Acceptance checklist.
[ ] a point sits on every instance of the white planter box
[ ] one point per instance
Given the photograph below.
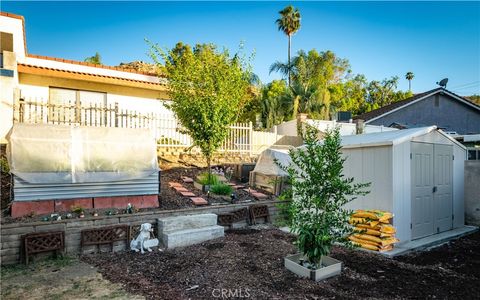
(331, 267)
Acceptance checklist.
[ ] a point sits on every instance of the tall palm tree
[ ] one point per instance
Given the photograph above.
(289, 23)
(409, 76)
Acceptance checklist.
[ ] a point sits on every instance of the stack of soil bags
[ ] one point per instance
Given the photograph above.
(373, 230)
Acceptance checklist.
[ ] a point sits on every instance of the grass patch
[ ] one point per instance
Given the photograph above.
(206, 178)
(221, 189)
(21, 269)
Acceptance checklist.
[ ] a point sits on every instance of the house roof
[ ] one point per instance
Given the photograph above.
(65, 66)
(385, 110)
(62, 73)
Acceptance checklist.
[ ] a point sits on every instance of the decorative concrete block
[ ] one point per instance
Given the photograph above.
(187, 194)
(189, 237)
(186, 222)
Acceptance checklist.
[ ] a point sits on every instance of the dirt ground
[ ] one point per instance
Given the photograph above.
(249, 264)
(65, 278)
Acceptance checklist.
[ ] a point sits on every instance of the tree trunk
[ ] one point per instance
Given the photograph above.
(289, 66)
(410, 85)
(209, 161)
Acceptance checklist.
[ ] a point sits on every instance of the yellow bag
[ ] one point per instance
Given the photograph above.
(360, 241)
(386, 234)
(354, 220)
(367, 237)
(367, 226)
(385, 248)
(365, 214)
(367, 231)
(389, 241)
(386, 228)
(369, 247)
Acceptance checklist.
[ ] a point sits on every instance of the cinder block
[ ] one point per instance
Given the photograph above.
(17, 230)
(23, 208)
(186, 222)
(50, 227)
(188, 237)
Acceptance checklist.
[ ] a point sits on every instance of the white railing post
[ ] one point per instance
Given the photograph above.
(250, 128)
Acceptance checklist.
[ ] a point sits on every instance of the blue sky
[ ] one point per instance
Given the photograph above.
(380, 39)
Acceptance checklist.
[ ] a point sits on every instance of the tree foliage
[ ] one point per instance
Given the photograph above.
(96, 59)
(320, 191)
(289, 23)
(208, 89)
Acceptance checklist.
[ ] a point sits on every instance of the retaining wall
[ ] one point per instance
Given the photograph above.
(472, 192)
(11, 234)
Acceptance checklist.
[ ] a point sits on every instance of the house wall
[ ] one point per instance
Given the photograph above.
(450, 114)
(8, 84)
(287, 128)
(374, 165)
(34, 87)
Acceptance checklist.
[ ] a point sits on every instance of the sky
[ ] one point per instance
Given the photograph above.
(434, 40)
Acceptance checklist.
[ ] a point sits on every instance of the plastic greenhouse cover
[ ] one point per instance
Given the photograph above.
(266, 162)
(41, 153)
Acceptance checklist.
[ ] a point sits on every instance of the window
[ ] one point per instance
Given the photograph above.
(473, 154)
(6, 41)
(76, 106)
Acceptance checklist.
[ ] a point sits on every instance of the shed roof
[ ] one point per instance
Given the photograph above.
(388, 138)
(384, 138)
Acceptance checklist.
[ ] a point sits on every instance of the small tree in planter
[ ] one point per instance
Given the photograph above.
(319, 193)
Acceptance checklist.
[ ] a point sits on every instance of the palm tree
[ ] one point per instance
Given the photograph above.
(289, 23)
(96, 59)
(409, 76)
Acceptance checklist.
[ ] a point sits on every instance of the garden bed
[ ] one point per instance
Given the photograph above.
(251, 262)
(169, 198)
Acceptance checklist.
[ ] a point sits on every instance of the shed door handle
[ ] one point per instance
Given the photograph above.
(434, 189)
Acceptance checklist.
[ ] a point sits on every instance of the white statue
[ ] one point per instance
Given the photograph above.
(143, 240)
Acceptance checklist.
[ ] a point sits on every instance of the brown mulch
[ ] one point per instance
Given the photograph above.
(250, 262)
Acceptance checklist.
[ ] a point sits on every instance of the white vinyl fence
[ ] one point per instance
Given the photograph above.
(168, 131)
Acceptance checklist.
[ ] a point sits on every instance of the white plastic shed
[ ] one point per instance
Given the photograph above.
(418, 174)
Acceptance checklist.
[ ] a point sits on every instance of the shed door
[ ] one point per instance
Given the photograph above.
(443, 196)
(432, 169)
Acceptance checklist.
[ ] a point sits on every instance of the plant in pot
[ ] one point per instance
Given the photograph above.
(320, 192)
(205, 180)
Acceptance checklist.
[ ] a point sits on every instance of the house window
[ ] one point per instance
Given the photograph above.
(6, 42)
(77, 106)
(473, 154)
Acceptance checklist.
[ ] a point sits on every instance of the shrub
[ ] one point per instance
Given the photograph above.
(285, 207)
(4, 165)
(221, 189)
(208, 179)
(319, 193)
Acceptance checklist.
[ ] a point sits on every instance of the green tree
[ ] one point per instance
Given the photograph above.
(409, 76)
(96, 59)
(207, 88)
(474, 98)
(289, 23)
(319, 193)
(272, 103)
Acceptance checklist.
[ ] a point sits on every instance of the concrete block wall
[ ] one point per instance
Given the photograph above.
(11, 234)
(472, 192)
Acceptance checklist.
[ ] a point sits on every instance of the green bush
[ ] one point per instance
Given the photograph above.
(319, 193)
(285, 207)
(221, 189)
(208, 179)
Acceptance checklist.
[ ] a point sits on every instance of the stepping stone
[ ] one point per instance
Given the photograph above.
(173, 184)
(180, 189)
(259, 195)
(251, 191)
(237, 187)
(230, 183)
(187, 194)
(187, 179)
(199, 201)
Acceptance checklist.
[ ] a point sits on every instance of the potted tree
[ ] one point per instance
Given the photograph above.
(319, 193)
